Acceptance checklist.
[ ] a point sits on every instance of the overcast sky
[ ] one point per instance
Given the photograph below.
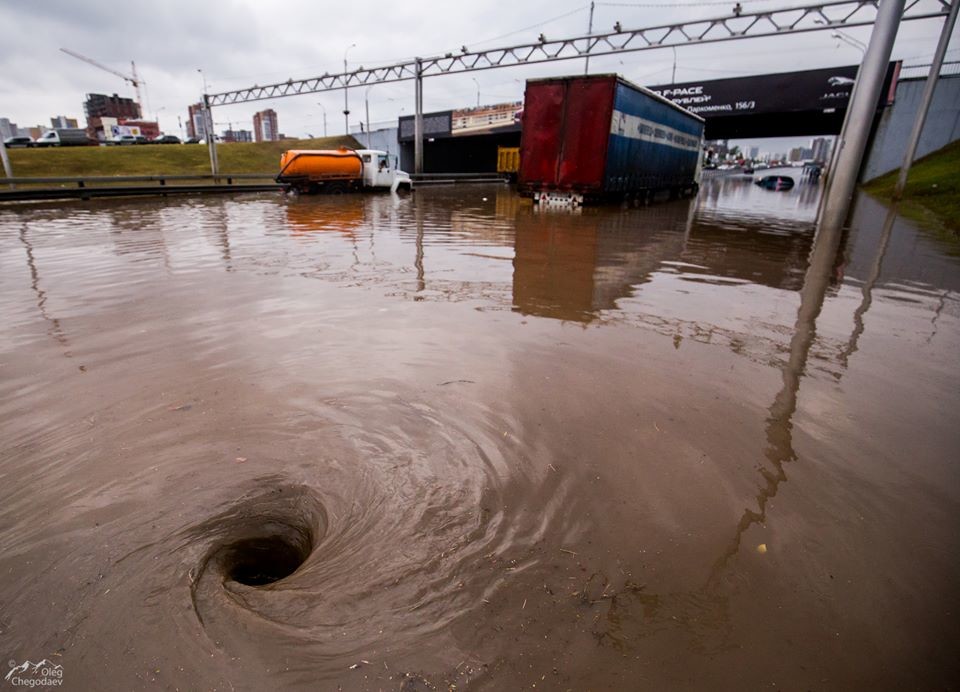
(239, 43)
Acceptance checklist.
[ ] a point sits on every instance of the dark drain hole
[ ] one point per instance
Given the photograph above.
(261, 561)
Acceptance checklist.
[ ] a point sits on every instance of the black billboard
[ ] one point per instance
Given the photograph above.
(823, 90)
(434, 125)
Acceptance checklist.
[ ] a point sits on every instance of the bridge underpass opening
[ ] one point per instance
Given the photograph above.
(807, 103)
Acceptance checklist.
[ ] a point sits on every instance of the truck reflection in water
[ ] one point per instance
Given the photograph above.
(342, 215)
(574, 267)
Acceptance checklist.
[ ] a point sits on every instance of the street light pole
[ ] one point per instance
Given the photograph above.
(478, 90)
(586, 63)
(203, 101)
(324, 118)
(850, 41)
(211, 138)
(366, 103)
(208, 126)
(346, 104)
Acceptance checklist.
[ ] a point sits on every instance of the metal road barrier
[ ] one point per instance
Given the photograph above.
(88, 187)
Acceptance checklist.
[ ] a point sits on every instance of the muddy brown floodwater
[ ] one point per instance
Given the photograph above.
(377, 443)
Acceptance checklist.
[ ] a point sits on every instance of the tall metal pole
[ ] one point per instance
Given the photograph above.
(418, 119)
(211, 137)
(346, 103)
(925, 101)
(586, 64)
(7, 171)
(366, 105)
(324, 118)
(860, 113)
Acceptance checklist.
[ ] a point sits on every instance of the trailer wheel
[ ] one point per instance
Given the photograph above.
(335, 188)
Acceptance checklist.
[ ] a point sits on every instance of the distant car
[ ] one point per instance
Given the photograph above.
(140, 139)
(192, 140)
(124, 139)
(166, 139)
(14, 142)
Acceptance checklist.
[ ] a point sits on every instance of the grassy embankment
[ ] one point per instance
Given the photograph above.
(160, 159)
(933, 188)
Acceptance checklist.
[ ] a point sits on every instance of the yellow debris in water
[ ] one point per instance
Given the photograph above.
(762, 548)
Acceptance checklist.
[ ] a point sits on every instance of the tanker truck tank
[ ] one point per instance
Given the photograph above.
(337, 171)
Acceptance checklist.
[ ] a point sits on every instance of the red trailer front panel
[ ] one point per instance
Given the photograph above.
(540, 142)
(586, 133)
(565, 133)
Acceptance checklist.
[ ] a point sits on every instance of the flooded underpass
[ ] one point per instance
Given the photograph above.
(375, 442)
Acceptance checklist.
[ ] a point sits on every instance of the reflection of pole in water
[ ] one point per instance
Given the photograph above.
(223, 235)
(688, 227)
(55, 329)
(941, 303)
(418, 262)
(779, 428)
(868, 286)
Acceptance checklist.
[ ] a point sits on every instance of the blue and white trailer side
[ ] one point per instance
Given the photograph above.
(600, 138)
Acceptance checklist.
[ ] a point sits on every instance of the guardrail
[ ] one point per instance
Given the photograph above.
(88, 187)
(452, 178)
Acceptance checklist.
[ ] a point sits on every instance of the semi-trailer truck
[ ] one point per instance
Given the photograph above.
(341, 170)
(598, 138)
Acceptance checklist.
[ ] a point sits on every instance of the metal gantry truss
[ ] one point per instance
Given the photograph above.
(818, 17)
(737, 25)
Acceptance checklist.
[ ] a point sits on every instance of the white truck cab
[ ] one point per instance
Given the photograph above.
(380, 171)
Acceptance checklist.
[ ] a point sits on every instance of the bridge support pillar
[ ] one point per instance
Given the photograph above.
(842, 181)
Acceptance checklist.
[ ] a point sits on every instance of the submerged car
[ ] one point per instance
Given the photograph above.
(775, 182)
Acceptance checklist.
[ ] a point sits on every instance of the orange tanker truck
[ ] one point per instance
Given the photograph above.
(337, 171)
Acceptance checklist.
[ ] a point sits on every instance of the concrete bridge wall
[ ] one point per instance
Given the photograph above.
(941, 128)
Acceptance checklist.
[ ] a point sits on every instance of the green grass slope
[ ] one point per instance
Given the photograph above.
(161, 159)
(933, 187)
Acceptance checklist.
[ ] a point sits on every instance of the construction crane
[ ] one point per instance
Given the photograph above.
(134, 80)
